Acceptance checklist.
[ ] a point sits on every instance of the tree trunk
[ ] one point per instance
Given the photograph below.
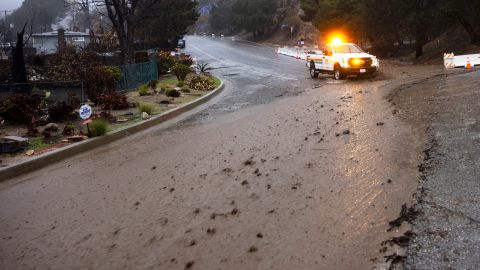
(418, 50)
(130, 44)
(19, 72)
(420, 31)
(88, 23)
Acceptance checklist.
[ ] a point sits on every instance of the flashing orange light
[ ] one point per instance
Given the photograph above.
(337, 41)
(336, 38)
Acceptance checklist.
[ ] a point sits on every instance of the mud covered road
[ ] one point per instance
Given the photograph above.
(278, 172)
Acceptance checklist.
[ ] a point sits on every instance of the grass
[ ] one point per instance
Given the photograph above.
(217, 82)
(143, 90)
(37, 143)
(168, 80)
(143, 107)
(98, 127)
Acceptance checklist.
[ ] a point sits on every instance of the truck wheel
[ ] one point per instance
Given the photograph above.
(313, 71)
(337, 73)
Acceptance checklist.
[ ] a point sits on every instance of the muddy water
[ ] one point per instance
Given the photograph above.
(309, 197)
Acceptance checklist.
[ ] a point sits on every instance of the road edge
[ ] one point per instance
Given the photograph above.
(57, 155)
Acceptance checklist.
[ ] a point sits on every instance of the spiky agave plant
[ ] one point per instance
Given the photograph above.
(204, 67)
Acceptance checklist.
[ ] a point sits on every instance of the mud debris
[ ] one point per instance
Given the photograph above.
(394, 260)
(401, 241)
(249, 162)
(228, 170)
(189, 265)
(406, 214)
(252, 249)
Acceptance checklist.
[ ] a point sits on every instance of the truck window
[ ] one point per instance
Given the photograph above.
(327, 50)
(347, 48)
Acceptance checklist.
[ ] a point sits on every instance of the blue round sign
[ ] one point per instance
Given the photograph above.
(85, 112)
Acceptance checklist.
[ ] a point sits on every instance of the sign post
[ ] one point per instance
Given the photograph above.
(85, 113)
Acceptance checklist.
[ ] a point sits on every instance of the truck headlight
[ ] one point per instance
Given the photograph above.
(357, 62)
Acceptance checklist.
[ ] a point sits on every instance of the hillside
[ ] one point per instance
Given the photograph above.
(287, 27)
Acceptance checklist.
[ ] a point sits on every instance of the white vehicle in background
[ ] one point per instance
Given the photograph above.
(341, 60)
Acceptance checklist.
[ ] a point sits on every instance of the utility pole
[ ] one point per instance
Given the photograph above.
(5, 12)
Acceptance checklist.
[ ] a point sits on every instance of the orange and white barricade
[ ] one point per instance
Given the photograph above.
(468, 61)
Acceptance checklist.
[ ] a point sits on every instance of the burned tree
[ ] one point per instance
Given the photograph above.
(19, 72)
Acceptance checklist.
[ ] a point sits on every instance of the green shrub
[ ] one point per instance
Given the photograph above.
(185, 59)
(98, 127)
(143, 90)
(180, 83)
(22, 108)
(153, 84)
(100, 80)
(69, 129)
(203, 67)
(172, 93)
(164, 62)
(113, 101)
(202, 83)
(61, 110)
(181, 71)
(142, 107)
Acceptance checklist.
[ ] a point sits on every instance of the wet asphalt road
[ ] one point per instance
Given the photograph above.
(278, 172)
(254, 74)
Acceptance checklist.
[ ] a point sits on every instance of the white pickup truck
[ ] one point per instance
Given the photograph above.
(341, 60)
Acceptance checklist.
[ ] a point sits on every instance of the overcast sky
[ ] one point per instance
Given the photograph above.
(10, 4)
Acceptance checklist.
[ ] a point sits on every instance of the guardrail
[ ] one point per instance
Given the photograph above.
(297, 52)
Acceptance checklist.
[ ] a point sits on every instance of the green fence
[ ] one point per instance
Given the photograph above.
(132, 76)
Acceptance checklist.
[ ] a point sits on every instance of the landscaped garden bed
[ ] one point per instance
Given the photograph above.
(51, 125)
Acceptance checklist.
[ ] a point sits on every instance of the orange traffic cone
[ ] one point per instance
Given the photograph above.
(469, 65)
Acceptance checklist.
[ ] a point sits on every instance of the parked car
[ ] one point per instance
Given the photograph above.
(181, 43)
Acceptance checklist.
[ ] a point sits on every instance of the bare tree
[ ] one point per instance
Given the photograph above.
(125, 16)
(85, 6)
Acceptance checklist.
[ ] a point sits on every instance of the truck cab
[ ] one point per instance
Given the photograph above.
(341, 60)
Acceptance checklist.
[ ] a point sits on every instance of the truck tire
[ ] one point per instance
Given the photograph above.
(337, 73)
(313, 72)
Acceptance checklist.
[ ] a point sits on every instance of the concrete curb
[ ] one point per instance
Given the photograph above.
(81, 147)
